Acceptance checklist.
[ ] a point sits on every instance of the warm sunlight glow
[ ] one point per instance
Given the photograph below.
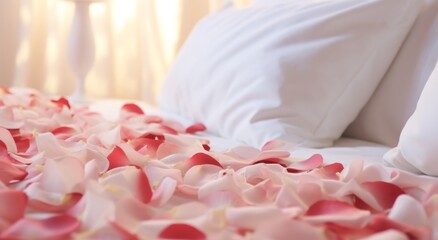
(135, 44)
(168, 14)
(123, 11)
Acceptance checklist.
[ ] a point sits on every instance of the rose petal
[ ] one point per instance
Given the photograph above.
(61, 102)
(197, 127)
(332, 171)
(381, 223)
(164, 192)
(128, 180)
(336, 211)
(202, 159)
(181, 231)
(9, 198)
(8, 121)
(313, 162)
(130, 212)
(388, 234)
(132, 108)
(409, 211)
(64, 175)
(7, 141)
(9, 172)
(57, 227)
(117, 158)
(272, 161)
(385, 193)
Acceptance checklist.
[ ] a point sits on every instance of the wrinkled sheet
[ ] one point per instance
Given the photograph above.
(68, 172)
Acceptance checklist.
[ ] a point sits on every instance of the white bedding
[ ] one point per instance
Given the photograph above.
(344, 150)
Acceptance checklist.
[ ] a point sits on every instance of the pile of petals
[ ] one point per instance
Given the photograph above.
(66, 172)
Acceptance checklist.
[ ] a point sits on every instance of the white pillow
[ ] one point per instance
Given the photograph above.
(299, 71)
(417, 150)
(394, 101)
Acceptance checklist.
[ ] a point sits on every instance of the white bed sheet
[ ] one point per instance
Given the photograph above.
(344, 150)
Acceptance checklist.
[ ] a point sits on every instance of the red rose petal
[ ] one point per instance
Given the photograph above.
(117, 158)
(182, 231)
(23, 143)
(144, 187)
(132, 108)
(332, 170)
(12, 205)
(385, 193)
(197, 127)
(153, 136)
(206, 147)
(9, 172)
(328, 207)
(151, 145)
(61, 102)
(202, 159)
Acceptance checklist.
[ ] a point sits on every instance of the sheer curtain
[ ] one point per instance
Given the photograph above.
(136, 41)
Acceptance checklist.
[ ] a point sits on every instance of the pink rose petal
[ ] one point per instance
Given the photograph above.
(222, 199)
(313, 162)
(7, 141)
(273, 145)
(130, 212)
(342, 231)
(68, 202)
(181, 231)
(8, 120)
(388, 234)
(381, 223)
(129, 180)
(57, 227)
(272, 161)
(122, 233)
(409, 211)
(63, 175)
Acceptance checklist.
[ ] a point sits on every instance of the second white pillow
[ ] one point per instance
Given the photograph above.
(299, 71)
(417, 150)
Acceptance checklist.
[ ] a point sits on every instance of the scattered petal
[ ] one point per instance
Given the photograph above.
(182, 231)
(57, 227)
(132, 108)
(197, 127)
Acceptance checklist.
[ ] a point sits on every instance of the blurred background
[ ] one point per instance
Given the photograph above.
(136, 42)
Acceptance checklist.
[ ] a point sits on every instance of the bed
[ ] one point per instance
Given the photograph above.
(233, 157)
